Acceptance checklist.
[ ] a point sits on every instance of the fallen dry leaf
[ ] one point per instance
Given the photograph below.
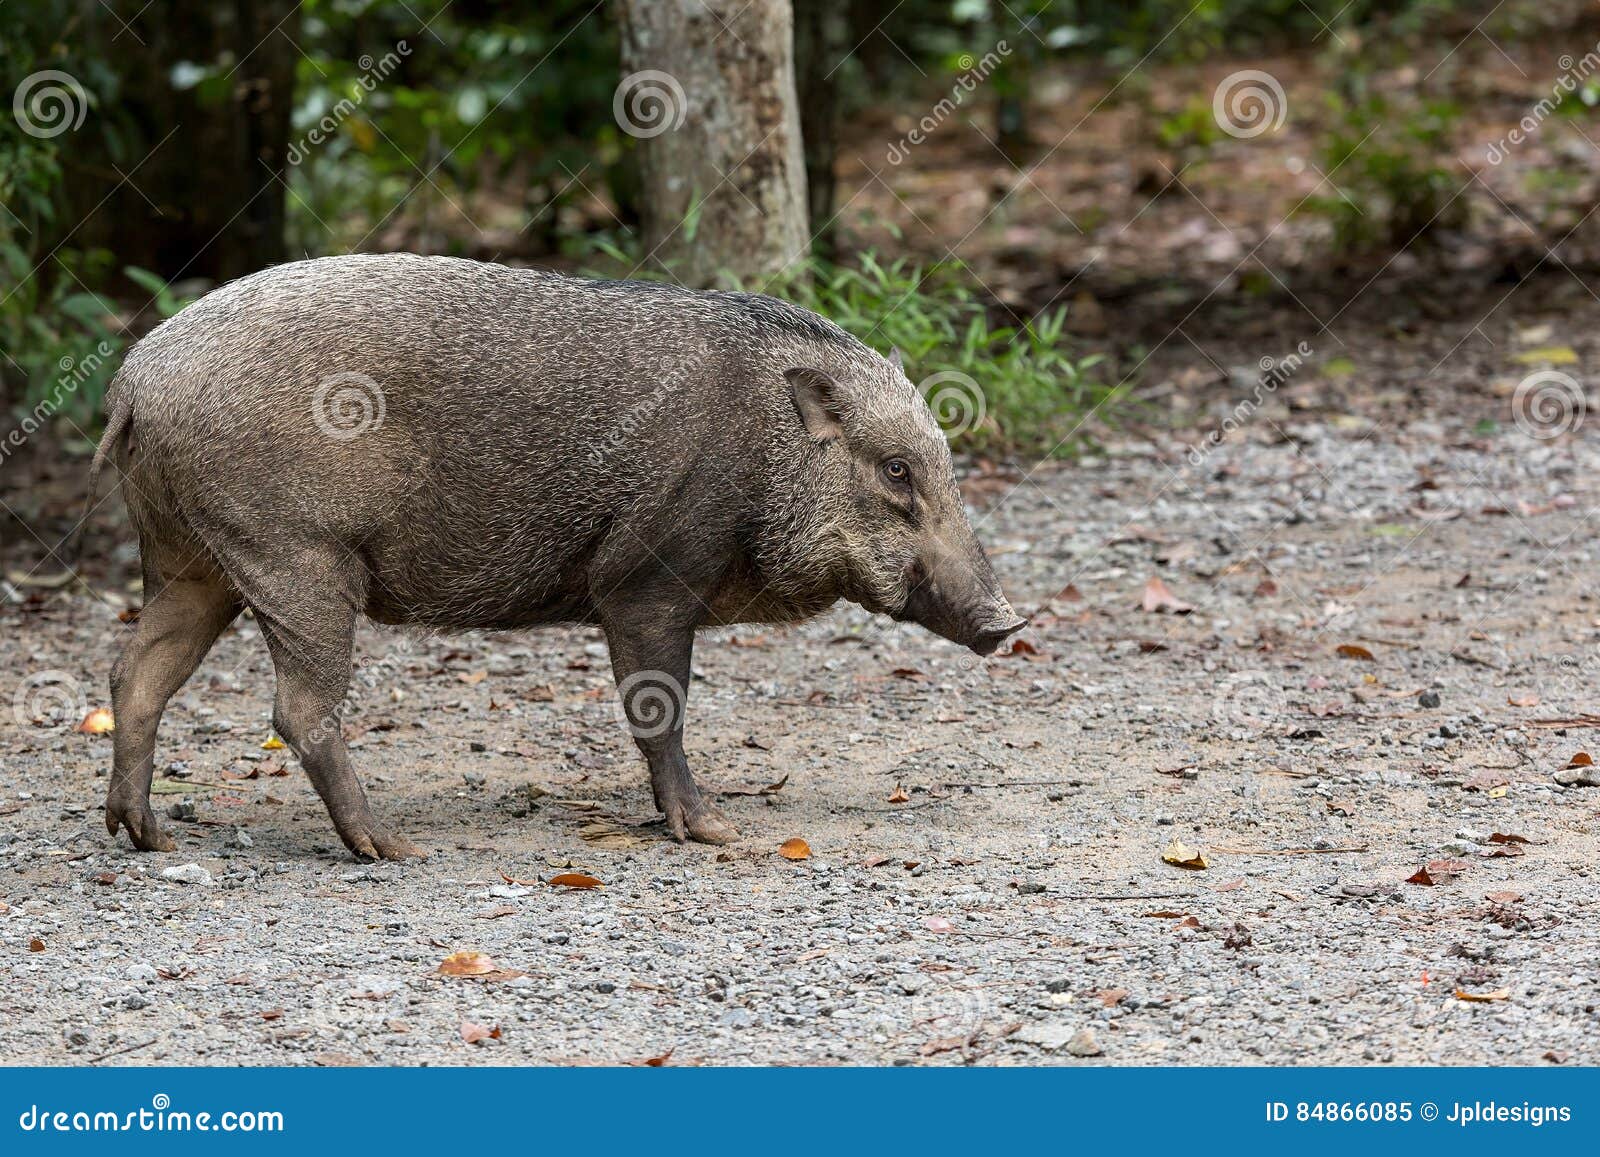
(1265, 588)
(899, 795)
(1438, 872)
(1187, 922)
(1110, 997)
(1181, 855)
(1354, 651)
(875, 861)
(574, 880)
(1342, 807)
(1485, 781)
(1497, 994)
(97, 722)
(466, 964)
(1503, 897)
(1582, 759)
(770, 789)
(473, 678)
(1522, 701)
(795, 849)
(1158, 597)
(1503, 838)
(496, 912)
(273, 743)
(36, 945)
(473, 1033)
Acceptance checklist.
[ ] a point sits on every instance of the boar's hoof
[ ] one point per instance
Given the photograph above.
(382, 845)
(699, 821)
(136, 816)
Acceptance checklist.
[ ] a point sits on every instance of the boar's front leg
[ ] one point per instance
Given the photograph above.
(650, 658)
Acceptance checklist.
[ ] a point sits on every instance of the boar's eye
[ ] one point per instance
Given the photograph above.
(897, 471)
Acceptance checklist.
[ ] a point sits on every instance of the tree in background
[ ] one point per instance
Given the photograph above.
(709, 90)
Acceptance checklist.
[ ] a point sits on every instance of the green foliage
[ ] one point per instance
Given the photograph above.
(1384, 160)
(1035, 393)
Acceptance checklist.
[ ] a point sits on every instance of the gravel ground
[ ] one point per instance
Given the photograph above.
(1015, 909)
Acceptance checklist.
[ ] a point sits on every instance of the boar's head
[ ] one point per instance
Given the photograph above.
(895, 509)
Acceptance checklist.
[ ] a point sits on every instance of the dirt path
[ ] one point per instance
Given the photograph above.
(1015, 910)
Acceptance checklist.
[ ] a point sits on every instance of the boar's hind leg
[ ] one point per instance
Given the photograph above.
(174, 632)
(312, 660)
(651, 664)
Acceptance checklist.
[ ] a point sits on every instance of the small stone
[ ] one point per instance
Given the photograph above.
(605, 987)
(1083, 1044)
(1028, 888)
(135, 1001)
(1049, 1035)
(142, 973)
(1428, 699)
(182, 810)
(1058, 986)
(737, 1018)
(188, 874)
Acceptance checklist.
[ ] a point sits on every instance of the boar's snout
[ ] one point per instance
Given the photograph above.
(973, 614)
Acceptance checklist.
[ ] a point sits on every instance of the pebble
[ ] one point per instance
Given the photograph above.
(188, 874)
(1084, 1044)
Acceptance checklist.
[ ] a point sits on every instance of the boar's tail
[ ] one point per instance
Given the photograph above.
(119, 414)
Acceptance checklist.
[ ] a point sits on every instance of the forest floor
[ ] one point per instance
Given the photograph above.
(1016, 908)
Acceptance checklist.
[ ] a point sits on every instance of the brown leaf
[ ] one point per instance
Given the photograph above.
(1503, 850)
(1020, 648)
(1502, 838)
(1266, 588)
(496, 912)
(899, 795)
(36, 945)
(1110, 997)
(1181, 855)
(272, 1014)
(466, 964)
(909, 673)
(875, 861)
(473, 678)
(795, 849)
(1503, 897)
(1497, 994)
(473, 1033)
(508, 878)
(1158, 597)
(1341, 807)
(770, 789)
(1582, 759)
(574, 880)
(1485, 781)
(1187, 922)
(657, 1062)
(97, 722)
(1438, 872)
(1068, 594)
(1354, 651)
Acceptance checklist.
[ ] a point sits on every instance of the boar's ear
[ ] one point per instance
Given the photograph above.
(894, 360)
(818, 399)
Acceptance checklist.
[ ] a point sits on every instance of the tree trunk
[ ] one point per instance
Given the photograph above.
(709, 91)
(819, 53)
(208, 201)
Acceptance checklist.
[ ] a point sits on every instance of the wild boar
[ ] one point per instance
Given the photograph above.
(460, 445)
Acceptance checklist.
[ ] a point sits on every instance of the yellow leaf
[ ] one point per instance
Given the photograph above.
(273, 743)
(1550, 355)
(795, 849)
(1480, 997)
(466, 964)
(1181, 855)
(97, 722)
